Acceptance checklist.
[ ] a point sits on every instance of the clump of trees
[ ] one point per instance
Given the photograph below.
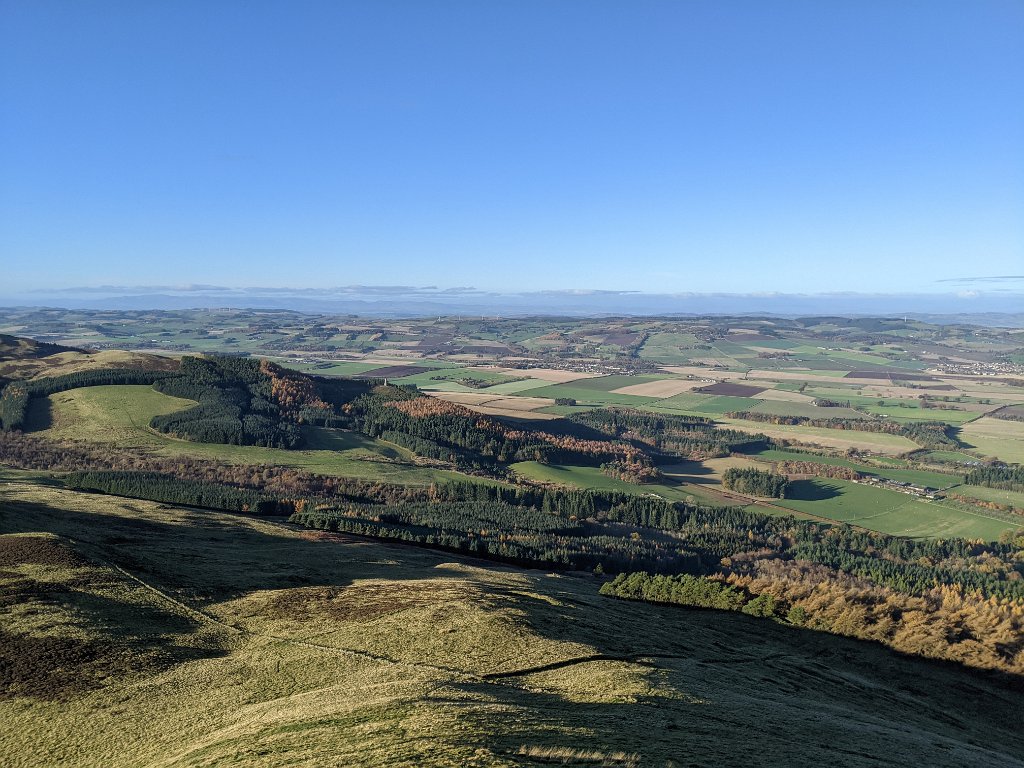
(500, 531)
(688, 437)
(236, 404)
(755, 482)
(170, 490)
(817, 469)
(1005, 478)
(637, 472)
(681, 590)
(244, 401)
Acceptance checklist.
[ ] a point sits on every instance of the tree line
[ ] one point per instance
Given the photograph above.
(944, 622)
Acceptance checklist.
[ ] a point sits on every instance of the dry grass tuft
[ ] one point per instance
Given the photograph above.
(571, 756)
(360, 602)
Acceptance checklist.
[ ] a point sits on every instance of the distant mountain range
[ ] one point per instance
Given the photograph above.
(995, 308)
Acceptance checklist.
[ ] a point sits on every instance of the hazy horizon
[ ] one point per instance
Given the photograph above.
(417, 301)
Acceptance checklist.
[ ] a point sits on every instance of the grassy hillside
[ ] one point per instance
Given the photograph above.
(120, 415)
(145, 635)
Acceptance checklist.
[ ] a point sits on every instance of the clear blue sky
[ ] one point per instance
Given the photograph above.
(868, 145)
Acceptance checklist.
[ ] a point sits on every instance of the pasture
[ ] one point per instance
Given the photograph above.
(995, 437)
(590, 395)
(1014, 499)
(880, 509)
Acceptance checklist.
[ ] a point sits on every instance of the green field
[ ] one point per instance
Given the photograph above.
(608, 383)
(949, 456)
(887, 511)
(344, 368)
(907, 410)
(120, 415)
(807, 410)
(725, 404)
(995, 437)
(438, 378)
(670, 348)
(594, 395)
(515, 387)
(685, 401)
(592, 478)
(1011, 498)
(208, 639)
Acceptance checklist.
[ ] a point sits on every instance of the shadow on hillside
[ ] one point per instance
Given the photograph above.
(39, 415)
(716, 685)
(725, 686)
(809, 490)
(691, 472)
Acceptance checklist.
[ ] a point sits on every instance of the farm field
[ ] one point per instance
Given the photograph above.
(955, 457)
(775, 367)
(280, 646)
(833, 438)
(120, 415)
(995, 437)
(658, 388)
(1012, 498)
(888, 511)
(588, 395)
(782, 408)
(344, 368)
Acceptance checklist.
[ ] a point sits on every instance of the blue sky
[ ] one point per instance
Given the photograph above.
(680, 146)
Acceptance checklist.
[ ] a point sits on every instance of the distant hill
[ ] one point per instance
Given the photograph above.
(18, 348)
(23, 358)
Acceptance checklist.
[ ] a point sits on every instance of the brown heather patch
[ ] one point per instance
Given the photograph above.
(38, 550)
(55, 668)
(51, 668)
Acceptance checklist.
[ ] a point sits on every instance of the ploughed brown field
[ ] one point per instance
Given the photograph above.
(891, 374)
